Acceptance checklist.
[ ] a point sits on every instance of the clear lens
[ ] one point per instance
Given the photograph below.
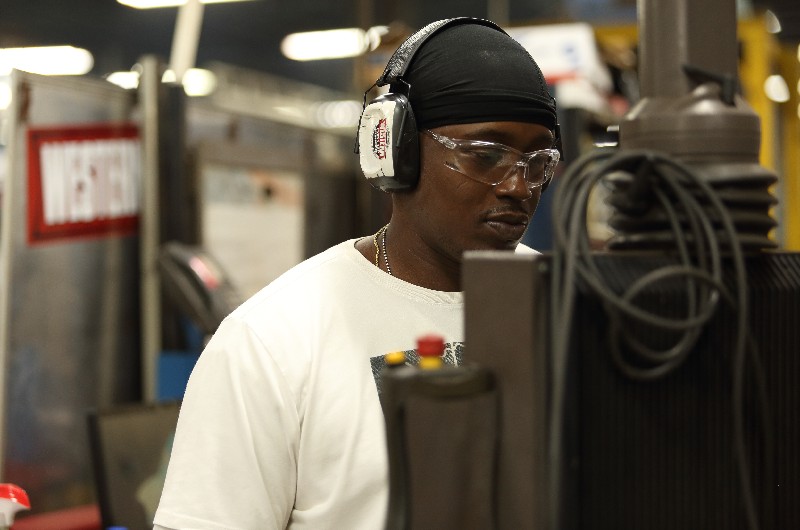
(492, 163)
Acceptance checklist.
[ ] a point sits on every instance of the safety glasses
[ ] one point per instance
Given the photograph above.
(492, 163)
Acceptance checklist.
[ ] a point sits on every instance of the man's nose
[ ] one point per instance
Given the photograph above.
(516, 184)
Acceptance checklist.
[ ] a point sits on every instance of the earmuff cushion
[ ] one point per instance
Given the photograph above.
(388, 143)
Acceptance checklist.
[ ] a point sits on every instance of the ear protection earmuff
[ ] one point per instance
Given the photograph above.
(387, 140)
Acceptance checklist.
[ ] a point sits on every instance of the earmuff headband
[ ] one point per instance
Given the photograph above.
(401, 59)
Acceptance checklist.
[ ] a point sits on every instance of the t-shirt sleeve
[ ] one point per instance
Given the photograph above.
(233, 462)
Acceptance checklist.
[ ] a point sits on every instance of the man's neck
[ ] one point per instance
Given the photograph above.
(410, 260)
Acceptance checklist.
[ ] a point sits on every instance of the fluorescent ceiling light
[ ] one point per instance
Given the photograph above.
(196, 81)
(332, 43)
(150, 4)
(771, 22)
(776, 89)
(124, 79)
(332, 114)
(46, 60)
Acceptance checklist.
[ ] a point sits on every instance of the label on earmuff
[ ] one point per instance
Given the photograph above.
(375, 142)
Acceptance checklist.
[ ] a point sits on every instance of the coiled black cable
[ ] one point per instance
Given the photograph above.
(658, 180)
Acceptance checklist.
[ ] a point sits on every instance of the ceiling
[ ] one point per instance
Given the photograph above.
(248, 34)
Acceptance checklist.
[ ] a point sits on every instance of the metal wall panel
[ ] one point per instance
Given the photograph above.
(69, 332)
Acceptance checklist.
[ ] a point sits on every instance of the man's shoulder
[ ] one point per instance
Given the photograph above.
(320, 264)
(305, 281)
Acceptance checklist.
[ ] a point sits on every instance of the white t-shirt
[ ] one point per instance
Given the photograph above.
(281, 424)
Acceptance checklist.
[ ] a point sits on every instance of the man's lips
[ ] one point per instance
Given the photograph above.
(511, 218)
(508, 225)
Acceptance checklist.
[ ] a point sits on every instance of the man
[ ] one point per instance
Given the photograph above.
(281, 424)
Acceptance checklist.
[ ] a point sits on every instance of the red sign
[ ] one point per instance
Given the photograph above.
(83, 181)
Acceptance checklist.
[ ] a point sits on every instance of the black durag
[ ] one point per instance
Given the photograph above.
(470, 73)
